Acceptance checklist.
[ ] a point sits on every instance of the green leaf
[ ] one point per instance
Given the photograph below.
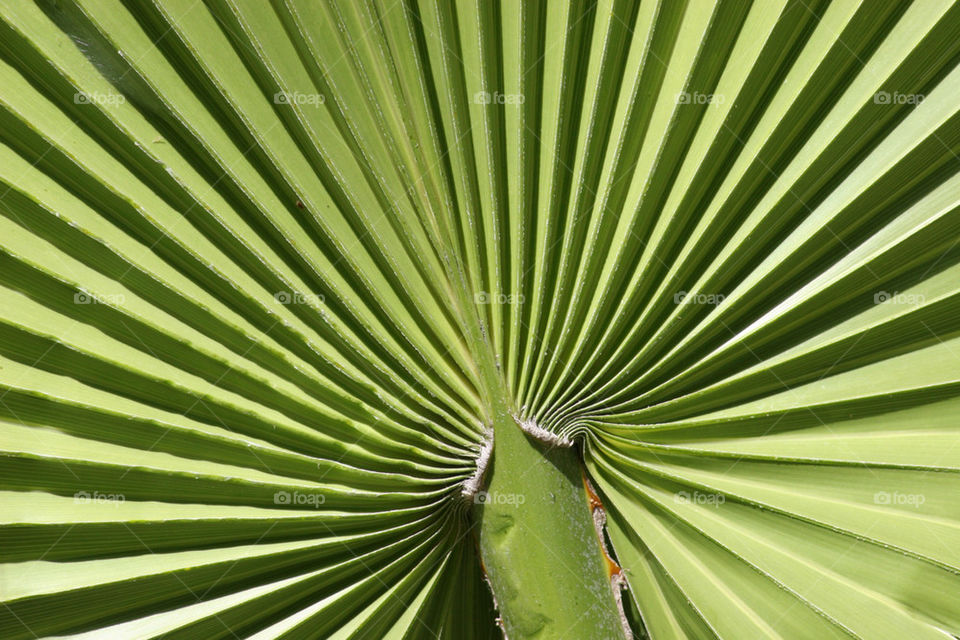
(327, 319)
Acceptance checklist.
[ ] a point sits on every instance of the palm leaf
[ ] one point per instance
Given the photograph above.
(277, 276)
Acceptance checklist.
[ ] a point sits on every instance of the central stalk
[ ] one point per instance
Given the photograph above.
(539, 545)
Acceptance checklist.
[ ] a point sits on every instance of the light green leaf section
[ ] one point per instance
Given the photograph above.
(271, 270)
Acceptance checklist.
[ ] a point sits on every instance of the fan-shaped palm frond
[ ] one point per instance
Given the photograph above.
(308, 305)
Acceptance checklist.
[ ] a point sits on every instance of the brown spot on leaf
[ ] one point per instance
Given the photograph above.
(599, 519)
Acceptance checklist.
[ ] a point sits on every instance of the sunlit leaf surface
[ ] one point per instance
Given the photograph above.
(716, 243)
